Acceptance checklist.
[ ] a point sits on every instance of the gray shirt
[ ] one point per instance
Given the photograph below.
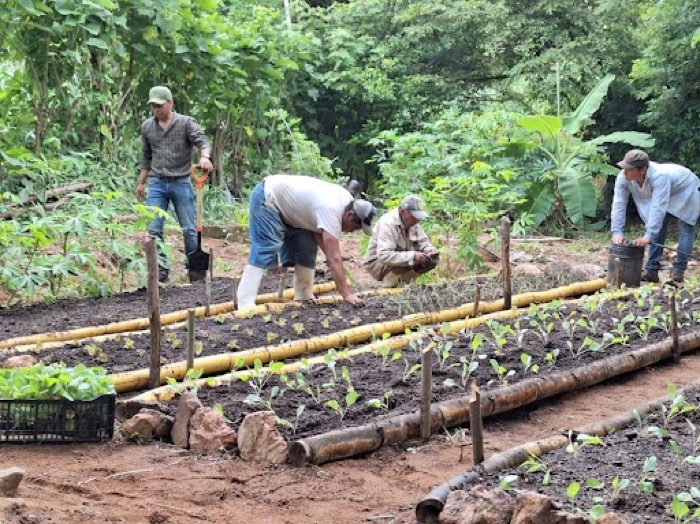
(669, 188)
(169, 153)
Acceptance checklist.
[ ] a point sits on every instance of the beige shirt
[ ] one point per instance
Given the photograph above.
(391, 245)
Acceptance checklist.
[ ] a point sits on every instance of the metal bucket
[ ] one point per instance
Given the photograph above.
(631, 259)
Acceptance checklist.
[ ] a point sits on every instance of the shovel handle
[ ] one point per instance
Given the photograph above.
(200, 179)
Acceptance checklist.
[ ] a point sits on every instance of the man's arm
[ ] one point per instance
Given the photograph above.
(619, 208)
(199, 139)
(331, 247)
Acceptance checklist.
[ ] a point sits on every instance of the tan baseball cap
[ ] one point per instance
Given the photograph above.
(415, 205)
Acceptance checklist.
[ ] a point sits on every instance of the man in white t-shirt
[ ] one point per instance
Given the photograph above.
(292, 215)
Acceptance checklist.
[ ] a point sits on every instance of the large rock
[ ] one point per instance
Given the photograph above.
(588, 271)
(9, 481)
(209, 432)
(533, 508)
(146, 424)
(128, 407)
(186, 407)
(19, 361)
(477, 506)
(259, 439)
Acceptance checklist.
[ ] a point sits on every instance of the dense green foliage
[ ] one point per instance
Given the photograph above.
(451, 98)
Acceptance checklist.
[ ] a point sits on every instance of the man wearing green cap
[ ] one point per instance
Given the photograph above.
(399, 250)
(168, 140)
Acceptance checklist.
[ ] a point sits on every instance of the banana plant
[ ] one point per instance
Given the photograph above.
(564, 189)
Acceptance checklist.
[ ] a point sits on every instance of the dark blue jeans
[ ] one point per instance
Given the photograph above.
(271, 238)
(686, 239)
(179, 191)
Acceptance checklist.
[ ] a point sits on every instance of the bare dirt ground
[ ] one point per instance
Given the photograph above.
(157, 483)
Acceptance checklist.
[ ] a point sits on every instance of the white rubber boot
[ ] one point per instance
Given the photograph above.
(248, 286)
(304, 282)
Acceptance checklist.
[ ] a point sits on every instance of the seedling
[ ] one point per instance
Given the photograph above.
(293, 425)
(377, 403)
(535, 464)
(350, 399)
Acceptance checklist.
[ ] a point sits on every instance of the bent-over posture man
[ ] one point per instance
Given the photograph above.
(660, 191)
(292, 215)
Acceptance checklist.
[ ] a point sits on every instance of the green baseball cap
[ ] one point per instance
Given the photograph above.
(159, 95)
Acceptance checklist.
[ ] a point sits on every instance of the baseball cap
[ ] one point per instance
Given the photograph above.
(634, 158)
(159, 95)
(415, 205)
(365, 212)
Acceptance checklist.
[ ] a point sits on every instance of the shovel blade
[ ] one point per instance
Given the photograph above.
(198, 260)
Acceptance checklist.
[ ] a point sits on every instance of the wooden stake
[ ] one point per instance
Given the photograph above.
(505, 262)
(190, 339)
(477, 298)
(234, 292)
(153, 312)
(674, 327)
(283, 280)
(618, 273)
(207, 284)
(476, 425)
(426, 391)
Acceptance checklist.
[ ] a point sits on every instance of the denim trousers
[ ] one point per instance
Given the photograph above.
(271, 238)
(179, 191)
(686, 239)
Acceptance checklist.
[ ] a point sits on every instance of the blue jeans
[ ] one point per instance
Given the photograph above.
(270, 237)
(180, 192)
(686, 239)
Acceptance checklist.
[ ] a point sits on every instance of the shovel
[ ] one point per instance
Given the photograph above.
(198, 260)
(673, 249)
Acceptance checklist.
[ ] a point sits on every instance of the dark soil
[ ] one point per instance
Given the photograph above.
(392, 381)
(224, 333)
(661, 450)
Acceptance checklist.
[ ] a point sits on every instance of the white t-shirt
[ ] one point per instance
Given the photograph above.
(307, 203)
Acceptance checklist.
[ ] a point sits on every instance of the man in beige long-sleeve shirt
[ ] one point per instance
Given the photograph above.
(399, 250)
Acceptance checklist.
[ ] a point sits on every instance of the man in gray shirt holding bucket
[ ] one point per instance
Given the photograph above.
(659, 191)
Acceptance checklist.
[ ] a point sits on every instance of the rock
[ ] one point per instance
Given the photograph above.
(146, 424)
(186, 407)
(533, 508)
(611, 518)
(9, 481)
(19, 361)
(127, 408)
(259, 439)
(557, 268)
(477, 506)
(526, 269)
(588, 271)
(209, 432)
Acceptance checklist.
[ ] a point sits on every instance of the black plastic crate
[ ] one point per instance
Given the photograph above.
(26, 421)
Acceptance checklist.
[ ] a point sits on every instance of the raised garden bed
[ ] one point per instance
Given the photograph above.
(645, 472)
(342, 392)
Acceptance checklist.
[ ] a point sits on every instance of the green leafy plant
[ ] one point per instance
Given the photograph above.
(54, 382)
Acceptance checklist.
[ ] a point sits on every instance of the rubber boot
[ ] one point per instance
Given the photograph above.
(248, 286)
(304, 282)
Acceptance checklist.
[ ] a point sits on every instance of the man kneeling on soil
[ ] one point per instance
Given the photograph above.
(399, 249)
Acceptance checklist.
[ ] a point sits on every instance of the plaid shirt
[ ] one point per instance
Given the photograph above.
(169, 153)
